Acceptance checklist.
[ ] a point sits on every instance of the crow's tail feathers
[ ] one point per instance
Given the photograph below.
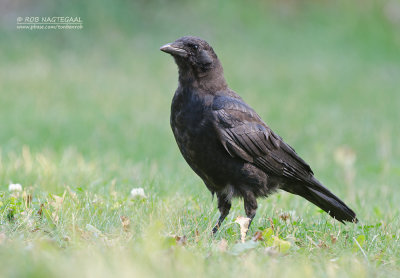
(319, 195)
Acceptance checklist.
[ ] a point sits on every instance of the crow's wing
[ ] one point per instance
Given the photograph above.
(243, 134)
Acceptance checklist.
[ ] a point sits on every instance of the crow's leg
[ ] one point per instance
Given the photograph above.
(250, 205)
(224, 205)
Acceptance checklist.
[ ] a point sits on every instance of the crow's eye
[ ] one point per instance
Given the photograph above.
(193, 46)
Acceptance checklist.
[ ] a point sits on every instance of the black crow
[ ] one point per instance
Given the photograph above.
(228, 145)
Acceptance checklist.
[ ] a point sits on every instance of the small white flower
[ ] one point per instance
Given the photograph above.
(138, 192)
(15, 187)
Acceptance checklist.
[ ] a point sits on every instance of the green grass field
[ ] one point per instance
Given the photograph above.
(85, 118)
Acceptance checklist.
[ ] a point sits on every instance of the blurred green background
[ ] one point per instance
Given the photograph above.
(89, 108)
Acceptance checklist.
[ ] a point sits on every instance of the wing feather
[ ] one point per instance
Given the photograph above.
(243, 134)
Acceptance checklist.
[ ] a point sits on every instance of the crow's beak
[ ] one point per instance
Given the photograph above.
(174, 50)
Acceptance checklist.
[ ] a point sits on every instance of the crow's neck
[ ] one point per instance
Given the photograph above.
(211, 80)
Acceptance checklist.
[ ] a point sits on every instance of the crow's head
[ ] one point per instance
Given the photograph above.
(192, 53)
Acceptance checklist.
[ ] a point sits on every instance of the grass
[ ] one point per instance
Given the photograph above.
(85, 118)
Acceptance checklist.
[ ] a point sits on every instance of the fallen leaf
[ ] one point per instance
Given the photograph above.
(258, 236)
(169, 241)
(359, 243)
(244, 226)
(40, 211)
(284, 216)
(282, 245)
(333, 239)
(181, 240)
(268, 234)
(322, 244)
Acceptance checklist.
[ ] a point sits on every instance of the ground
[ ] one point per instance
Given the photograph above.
(85, 119)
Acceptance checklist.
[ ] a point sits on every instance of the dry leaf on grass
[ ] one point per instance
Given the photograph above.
(274, 243)
(258, 236)
(322, 244)
(40, 211)
(244, 226)
(281, 245)
(333, 239)
(284, 216)
(181, 240)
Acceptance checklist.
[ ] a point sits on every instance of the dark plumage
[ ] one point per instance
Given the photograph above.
(228, 145)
